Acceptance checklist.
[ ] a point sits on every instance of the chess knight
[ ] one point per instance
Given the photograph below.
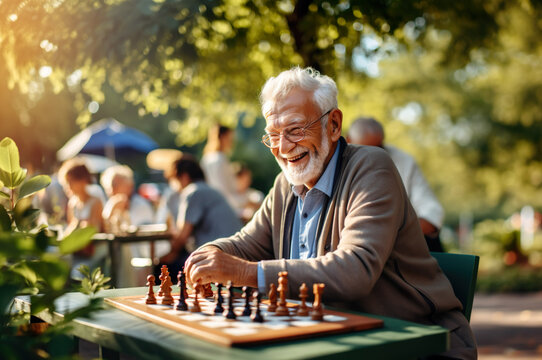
(337, 214)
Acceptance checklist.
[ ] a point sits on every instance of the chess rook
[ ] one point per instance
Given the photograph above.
(317, 312)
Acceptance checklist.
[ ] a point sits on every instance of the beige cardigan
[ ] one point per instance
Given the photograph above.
(372, 255)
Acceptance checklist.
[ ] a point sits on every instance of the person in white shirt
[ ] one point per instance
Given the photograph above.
(368, 131)
(124, 211)
(216, 166)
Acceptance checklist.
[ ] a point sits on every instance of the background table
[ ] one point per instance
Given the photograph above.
(117, 330)
(115, 241)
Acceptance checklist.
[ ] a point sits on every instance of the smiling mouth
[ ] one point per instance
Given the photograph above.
(297, 158)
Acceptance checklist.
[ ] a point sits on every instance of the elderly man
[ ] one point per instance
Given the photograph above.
(368, 131)
(337, 214)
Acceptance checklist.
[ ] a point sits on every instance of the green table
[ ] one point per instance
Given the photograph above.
(117, 331)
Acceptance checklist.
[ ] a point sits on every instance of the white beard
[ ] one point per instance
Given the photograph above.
(298, 175)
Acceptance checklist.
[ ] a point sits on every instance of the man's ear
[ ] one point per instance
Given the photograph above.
(335, 122)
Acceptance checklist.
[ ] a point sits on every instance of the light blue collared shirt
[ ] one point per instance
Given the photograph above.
(307, 214)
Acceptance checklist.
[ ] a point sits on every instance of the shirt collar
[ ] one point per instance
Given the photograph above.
(325, 183)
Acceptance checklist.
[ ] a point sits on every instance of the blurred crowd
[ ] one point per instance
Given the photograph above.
(199, 201)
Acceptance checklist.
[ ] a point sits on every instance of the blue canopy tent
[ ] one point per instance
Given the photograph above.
(107, 137)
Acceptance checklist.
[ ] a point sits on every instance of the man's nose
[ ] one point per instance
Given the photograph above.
(285, 145)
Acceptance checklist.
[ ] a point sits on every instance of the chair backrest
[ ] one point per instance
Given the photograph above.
(462, 271)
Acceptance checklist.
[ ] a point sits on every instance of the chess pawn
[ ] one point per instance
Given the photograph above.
(303, 310)
(195, 305)
(272, 298)
(282, 309)
(257, 315)
(317, 312)
(150, 298)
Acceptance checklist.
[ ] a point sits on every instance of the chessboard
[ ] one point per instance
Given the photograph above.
(236, 323)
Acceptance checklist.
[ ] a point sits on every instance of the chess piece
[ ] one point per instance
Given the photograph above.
(163, 274)
(181, 282)
(195, 305)
(272, 298)
(207, 291)
(282, 310)
(219, 299)
(257, 315)
(167, 299)
(303, 310)
(230, 314)
(246, 295)
(317, 312)
(150, 298)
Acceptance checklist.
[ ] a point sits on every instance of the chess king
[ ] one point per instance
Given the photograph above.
(337, 214)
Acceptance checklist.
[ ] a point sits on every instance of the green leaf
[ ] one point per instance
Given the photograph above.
(9, 157)
(54, 273)
(4, 195)
(5, 220)
(25, 271)
(34, 185)
(76, 240)
(12, 179)
(24, 215)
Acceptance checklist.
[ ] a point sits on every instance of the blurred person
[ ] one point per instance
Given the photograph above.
(123, 212)
(249, 199)
(368, 131)
(337, 214)
(217, 167)
(83, 210)
(123, 203)
(204, 214)
(53, 203)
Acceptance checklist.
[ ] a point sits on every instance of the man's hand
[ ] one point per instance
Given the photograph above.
(210, 264)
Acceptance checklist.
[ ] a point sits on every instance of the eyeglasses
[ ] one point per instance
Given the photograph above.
(296, 134)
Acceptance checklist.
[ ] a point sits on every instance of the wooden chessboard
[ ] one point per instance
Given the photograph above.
(242, 331)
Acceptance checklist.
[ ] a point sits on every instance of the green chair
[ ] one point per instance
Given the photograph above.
(462, 271)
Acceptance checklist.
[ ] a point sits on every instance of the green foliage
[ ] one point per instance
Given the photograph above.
(514, 279)
(29, 267)
(94, 281)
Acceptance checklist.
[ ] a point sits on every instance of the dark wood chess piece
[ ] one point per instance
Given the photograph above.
(257, 315)
(246, 295)
(181, 282)
(230, 314)
(219, 309)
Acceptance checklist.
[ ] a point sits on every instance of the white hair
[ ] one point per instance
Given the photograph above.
(121, 171)
(365, 126)
(323, 88)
